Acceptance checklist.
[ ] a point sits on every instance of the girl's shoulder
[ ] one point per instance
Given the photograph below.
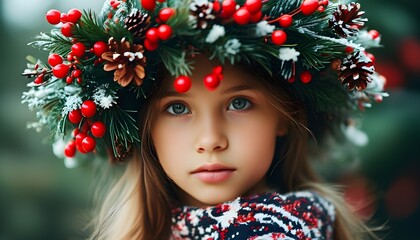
(301, 215)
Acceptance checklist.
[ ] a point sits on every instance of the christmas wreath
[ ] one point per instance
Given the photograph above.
(96, 60)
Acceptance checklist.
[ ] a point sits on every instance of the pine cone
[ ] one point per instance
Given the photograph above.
(137, 23)
(201, 10)
(355, 71)
(121, 151)
(126, 60)
(346, 20)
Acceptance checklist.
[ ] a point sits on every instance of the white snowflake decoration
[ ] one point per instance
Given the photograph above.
(287, 54)
(263, 28)
(232, 47)
(215, 33)
(104, 99)
(72, 103)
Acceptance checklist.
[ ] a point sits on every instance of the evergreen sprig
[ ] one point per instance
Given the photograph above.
(53, 42)
(90, 29)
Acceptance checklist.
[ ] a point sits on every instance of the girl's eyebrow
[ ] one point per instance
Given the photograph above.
(238, 88)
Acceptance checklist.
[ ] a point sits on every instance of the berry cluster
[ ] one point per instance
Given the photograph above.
(82, 141)
(84, 135)
(161, 33)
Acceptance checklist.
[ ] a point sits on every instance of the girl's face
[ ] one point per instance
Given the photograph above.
(216, 145)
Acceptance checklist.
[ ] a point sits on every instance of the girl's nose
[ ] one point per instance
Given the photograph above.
(211, 137)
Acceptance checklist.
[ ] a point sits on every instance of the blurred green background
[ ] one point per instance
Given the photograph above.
(41, 199)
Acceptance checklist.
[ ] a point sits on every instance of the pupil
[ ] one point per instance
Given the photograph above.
(239, 103)
(178, 108)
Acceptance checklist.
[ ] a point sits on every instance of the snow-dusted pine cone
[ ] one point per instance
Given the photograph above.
(347, 19)
(201, 10)
(137, 23)
(356, 71)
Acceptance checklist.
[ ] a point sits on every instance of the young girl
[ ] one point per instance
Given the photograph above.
(227, 97)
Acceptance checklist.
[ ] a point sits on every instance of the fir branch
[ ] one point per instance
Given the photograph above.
(53, 42)
(121, 127)
(118, 31)
(175, 60)
(90, 29)
(281, 7)
(318, 53)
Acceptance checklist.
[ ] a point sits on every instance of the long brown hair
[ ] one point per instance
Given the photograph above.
(139, 205)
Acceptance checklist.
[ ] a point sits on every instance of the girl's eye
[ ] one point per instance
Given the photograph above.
(239, 104)
(177, 109)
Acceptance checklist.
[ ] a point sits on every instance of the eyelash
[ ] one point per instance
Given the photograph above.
(169, 109)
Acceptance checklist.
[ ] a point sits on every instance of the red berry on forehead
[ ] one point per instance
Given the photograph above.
(182, 84)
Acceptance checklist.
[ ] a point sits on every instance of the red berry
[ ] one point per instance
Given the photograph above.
(253, 6)
(75, 116)
(182, 84)
(228, 8)
(305, 76)
(79, 138)
(321, 9)
(256, 17)
(148, 5)
(218, 70)
(279, 37)
(98, 129)
(67, 29)
(70, 57)
(164, 32)
(216, 6)
(349, 49)
(242, 16)
(54, 59)
(374, 34)
(78, 49)
(285, 20)
(325, 2)
(309, 6)
(88, 108)
(115, 5)
(74, 15)
(70, 149)
(39, 79)
(166, 13)
(152, 35)
(211, 82)
(53, 16)
(371, 57)
(99, 48)
(64, 18)
(149, 45)
(76, 73)
(61, 70)
(69, 80)
(88, 144)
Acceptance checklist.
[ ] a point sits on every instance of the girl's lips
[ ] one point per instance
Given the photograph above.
(213, 173)
(214, 176)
